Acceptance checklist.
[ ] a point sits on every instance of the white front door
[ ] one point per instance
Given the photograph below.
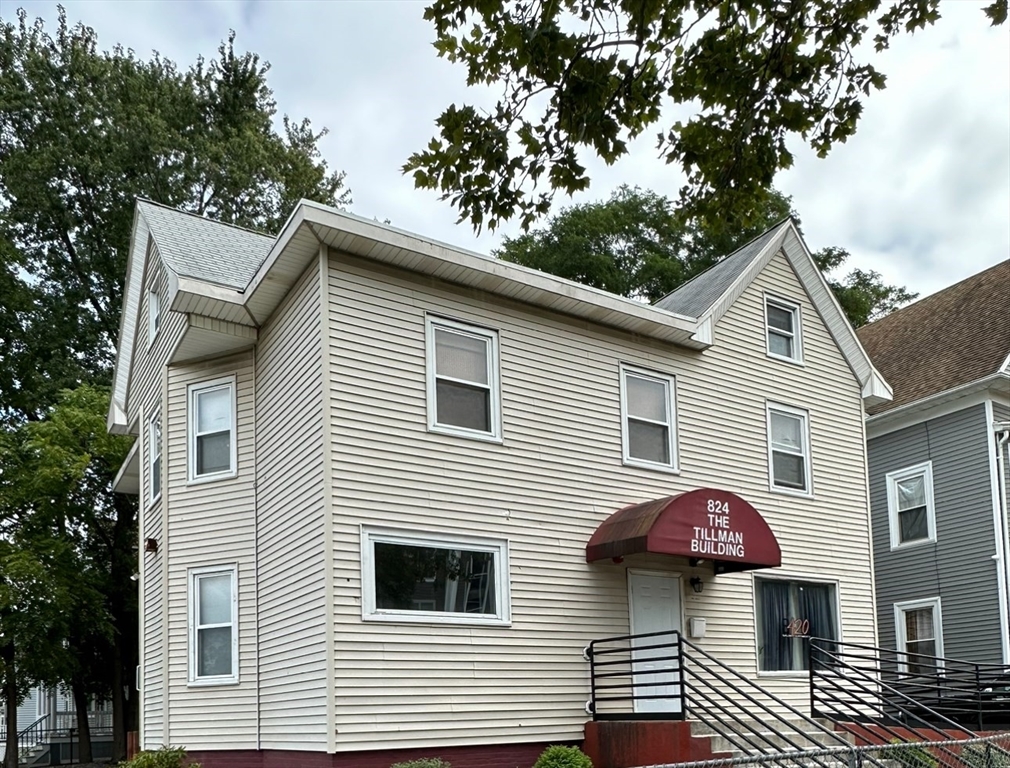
(655, 607)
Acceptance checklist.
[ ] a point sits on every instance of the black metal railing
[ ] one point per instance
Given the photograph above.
(63, 742)
(906, 688)
(875, 694)
(28, 738)
(663, 675)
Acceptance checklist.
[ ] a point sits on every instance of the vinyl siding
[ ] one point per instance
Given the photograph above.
(290, 497)
(210, 523)
(556, 476)
(959, 567)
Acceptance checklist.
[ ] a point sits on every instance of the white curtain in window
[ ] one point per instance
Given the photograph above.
(646, 399)
(911, 492)
(214, 411)
(460, 356)
(215, 599)
(787, 432)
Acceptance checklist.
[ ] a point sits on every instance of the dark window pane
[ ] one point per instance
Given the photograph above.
(780, 318)
(649, 442)
(788, 470)
(213, 453)
(920, 664)
(156, 478)
(913, 524)
(409, 578)
(213, 655)
(460, 405)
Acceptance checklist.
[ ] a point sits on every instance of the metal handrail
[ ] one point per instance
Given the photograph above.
(29, 737)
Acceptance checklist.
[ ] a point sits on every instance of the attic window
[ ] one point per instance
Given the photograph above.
(153, 315)
(782, 322)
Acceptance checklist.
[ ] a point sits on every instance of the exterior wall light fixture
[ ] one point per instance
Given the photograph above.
(697, 584)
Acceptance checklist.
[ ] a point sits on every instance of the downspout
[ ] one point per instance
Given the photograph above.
(1001, 432)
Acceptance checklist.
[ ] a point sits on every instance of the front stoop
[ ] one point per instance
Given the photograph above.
(630, 743)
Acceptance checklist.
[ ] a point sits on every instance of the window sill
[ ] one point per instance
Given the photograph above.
(213, 681)
(798, 361)
(466, 434)
(151, 503)
(911, 544)
(665, 468)
(799, 674)
(791, 492)
(452, 619)
(212, 478)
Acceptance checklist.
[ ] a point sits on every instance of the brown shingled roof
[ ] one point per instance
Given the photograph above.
(953, 337)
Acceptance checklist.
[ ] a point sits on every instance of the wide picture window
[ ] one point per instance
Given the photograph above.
(788, 613)
(415, 578)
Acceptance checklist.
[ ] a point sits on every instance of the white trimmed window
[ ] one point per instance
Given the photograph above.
(213, 625)
(788, 613)
(415, 577)
(154, 458)
(783, 325)
(918, 628)
(212, 429)
(910, 510)
(153, 315)
(789, 449)
(648, 419)
(464, 395)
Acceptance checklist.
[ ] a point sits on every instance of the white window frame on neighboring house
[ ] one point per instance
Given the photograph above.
(499, 548)
(194, 392)
(669, 384)
(805, 453)
(195, 575)
(795, 335)
(900, 635)
(924, 470)
(154, 451)
(493, 386)
(153, 315)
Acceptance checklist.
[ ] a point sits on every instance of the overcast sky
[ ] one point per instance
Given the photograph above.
(920, 194)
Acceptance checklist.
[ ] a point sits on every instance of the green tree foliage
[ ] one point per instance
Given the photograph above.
(57, 510)
(578, 75)
(642, 245)
(83, 132)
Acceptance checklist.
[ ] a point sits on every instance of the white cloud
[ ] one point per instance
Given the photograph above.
(921, 193)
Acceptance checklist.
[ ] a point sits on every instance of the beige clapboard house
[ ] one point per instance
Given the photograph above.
(370, 464)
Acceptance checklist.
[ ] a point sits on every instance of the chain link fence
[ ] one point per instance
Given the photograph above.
(979, 752)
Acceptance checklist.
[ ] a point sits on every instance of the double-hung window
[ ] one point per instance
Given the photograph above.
(153, 315)
(416, 577)
(648, 419)
(154, 454)
(783, 327)
(789, 612)
(213, 625)
(789, 449)
(918, 630)
(910, 511)
(212, 429)
(464, 396)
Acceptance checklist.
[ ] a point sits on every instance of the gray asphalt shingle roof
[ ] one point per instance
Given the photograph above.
(699, 293)
(207, 250)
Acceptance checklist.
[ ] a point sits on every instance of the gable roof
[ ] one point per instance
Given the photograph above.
(954, 337)
(239, 277)
(694, 297)
(207, 250)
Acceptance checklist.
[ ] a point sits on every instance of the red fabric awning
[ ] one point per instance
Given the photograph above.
(707, 524)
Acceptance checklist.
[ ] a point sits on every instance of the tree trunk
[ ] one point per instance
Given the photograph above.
(83, 726)
(11, 704)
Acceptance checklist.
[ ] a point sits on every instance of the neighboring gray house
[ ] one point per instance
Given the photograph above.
(938, 467)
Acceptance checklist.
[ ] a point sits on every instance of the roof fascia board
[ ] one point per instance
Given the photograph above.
(130, 465)
(721, 306)
(934, 405)
(382, 234)
(1005, 368)
(875, 388)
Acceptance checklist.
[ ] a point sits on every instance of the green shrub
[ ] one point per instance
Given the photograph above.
(166, 757)
(985, 756)
(424, 762)
(563, 757)
(910, 756)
